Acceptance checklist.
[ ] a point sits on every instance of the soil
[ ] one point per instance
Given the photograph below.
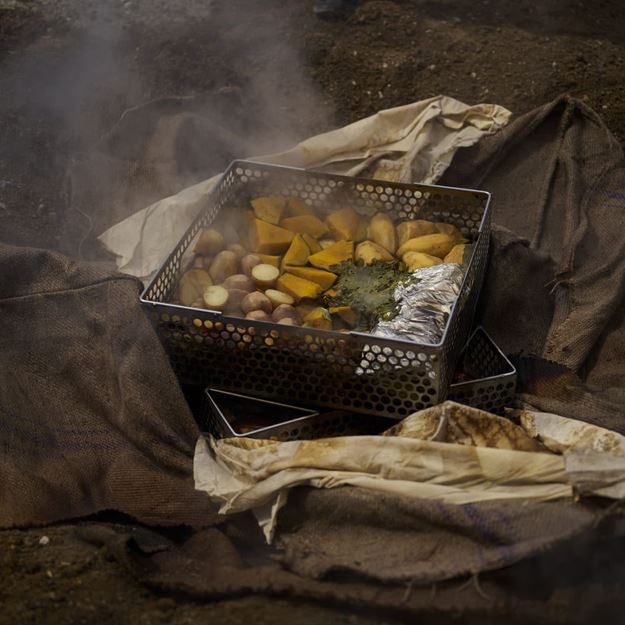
(70, 68)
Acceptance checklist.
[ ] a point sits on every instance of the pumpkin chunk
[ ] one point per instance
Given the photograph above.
(343, 224)
(269, 208)
(296, 207)
(313, 244)
(298, 252)
(318, 318)
(324, 279)
(346, 313)
(298, 288)
(308, 224)
(333, 255)
(268, 259)
(266, 238)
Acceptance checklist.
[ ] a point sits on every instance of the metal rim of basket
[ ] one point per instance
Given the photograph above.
(268, 325)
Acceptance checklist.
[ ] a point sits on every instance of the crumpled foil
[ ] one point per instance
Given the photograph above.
(425, 301)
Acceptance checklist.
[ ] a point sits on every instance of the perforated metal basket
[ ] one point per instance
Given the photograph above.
(303, 424)
(305, 365)
(493, 377)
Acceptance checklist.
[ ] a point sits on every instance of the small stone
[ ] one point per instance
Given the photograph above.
(473, 75)
(44, 540)
(49, 573)
(432, 67)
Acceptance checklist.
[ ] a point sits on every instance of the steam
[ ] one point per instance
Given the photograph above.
(143, 98)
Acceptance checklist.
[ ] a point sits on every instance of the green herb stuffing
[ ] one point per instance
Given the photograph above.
(368, 289)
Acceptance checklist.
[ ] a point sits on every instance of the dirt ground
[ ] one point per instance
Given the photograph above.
(70, 68)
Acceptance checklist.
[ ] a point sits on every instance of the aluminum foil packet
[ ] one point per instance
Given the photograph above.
(425, 301)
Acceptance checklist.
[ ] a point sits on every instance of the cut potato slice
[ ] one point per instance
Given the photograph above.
(279, 298)
(215, 297)
(265, 276)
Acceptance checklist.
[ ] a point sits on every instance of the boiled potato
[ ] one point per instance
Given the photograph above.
(192, 285)
(225, 264)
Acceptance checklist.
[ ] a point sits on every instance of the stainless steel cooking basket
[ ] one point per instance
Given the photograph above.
(307, 366)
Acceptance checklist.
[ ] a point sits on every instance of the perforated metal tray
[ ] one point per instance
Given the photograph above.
(305, 365)
(303, 424)
(493, 377)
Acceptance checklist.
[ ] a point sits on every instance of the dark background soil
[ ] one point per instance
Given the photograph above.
(70, 68)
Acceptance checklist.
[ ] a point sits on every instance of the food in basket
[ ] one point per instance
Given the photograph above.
(382, 231)
(279, 298)
(215, 297)
(368, 252)
(295, 266)
(224, 265)
(256, 301)
(192, 285)
(211, 242)
(265, 275)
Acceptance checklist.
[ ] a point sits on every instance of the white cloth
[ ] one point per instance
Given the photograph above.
(411, 143)
(248, 474)
(450, 452)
